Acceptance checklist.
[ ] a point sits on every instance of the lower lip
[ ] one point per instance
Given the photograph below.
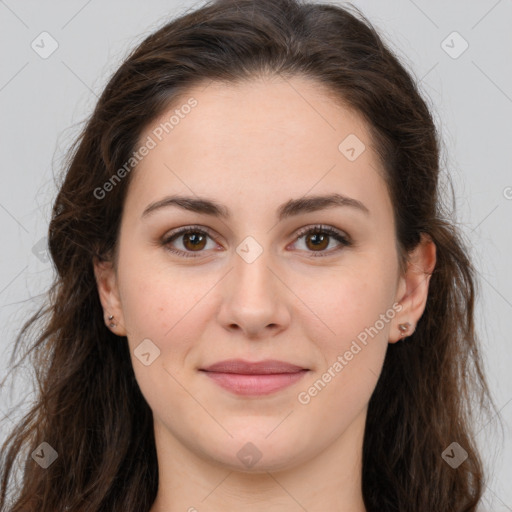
(255, 384)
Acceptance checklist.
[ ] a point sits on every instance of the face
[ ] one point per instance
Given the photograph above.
(258, 283)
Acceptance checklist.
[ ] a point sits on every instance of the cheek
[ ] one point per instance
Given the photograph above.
(353, 336)
(358, 312)
(170, 307)
(164, 308)
(156, 296)
(355, 298)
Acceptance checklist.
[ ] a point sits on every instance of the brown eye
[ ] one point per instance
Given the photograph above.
(317, 239)
(193, 240)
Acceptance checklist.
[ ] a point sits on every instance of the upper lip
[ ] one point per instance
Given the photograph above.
(240, 366)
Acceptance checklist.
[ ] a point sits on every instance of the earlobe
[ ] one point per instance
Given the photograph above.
(413, 288)
(106, 282)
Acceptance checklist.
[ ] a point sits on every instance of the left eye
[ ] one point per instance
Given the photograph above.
(316, 237)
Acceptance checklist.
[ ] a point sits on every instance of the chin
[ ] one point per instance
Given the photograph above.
(255, 454)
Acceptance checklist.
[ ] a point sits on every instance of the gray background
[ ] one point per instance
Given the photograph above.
(44, 100)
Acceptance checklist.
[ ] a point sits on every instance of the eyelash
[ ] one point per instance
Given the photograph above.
(334, 233)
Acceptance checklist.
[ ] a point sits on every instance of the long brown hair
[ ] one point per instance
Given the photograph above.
(89, 408)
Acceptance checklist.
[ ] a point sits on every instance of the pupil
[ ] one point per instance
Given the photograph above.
(195, 239)
(317, 236)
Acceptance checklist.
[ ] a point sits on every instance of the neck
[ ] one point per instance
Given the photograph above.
(331, 480)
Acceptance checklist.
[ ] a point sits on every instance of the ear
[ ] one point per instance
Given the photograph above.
(106, 281)
(412, 290)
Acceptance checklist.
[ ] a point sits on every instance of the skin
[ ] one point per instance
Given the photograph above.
(252, 147)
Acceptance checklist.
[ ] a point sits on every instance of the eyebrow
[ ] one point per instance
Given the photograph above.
(290, 208)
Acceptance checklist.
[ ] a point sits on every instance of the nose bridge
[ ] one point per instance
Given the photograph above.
(252, 281)
(252, 299)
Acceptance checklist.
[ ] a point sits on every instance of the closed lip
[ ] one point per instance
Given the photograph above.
(243, 367)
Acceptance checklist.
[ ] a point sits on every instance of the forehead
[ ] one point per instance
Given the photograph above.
(263, 117)
(288, 135)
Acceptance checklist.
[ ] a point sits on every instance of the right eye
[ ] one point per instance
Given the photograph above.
(194, 239)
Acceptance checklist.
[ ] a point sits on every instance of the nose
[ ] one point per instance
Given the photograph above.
(254, 299)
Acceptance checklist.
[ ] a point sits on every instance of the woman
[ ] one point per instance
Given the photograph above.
(260, 302)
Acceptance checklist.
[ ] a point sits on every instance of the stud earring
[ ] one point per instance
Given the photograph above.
(111, 324)
(404, 328)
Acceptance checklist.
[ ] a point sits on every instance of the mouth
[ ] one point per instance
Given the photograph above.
(254, 378)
